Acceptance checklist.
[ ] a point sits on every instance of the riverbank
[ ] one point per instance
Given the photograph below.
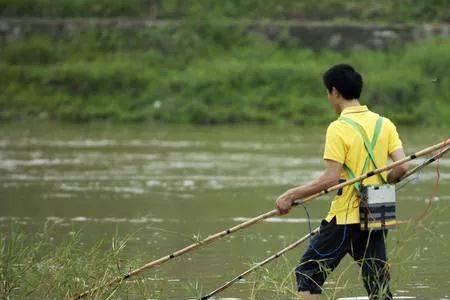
(334, 35)
(211, 75)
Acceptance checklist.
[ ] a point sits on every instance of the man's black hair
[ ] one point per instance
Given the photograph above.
(345, 80)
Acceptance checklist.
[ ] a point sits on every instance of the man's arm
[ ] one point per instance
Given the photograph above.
(327, 179)
(400, 170)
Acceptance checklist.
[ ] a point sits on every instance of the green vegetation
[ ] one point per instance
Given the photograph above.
(211, 75)
(33, 265)
(370, 10)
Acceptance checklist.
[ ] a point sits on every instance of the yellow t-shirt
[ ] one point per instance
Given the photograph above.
(344, 144)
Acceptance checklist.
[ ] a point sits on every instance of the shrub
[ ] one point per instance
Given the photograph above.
(36, 50)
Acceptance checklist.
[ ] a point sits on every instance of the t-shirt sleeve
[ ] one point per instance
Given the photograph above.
(334, 145)
(394, 140)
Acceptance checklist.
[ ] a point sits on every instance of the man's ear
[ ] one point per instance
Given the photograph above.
(335, 92)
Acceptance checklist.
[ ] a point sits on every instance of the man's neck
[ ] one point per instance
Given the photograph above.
(348, 103)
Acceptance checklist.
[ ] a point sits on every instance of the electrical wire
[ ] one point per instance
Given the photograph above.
(310, 236)
(434, 190)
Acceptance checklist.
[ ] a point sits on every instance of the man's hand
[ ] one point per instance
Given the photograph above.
(324, 181)
(397, 172)
(284, 203)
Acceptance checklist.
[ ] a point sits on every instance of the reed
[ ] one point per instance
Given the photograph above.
(33, 265)
(67, 264)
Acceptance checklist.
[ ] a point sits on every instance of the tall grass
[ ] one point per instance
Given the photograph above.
(35, 266)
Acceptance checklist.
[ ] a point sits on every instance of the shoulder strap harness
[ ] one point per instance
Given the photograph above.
(368, 145)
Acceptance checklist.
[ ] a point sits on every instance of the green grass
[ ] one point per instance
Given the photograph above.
(33, 265)
(370, 10)
(211, 75)
(36, 266)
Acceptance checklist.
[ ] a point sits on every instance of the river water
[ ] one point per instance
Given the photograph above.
(166, 184)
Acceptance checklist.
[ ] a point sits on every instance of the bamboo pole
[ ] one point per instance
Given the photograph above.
(423, 165)
(257, 219)
(315, 231)
(267, 260)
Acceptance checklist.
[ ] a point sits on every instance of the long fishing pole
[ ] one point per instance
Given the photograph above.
(315, 231)
(259, 218)
(423, 165)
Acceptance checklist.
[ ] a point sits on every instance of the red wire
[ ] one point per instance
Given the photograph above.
(434, 190)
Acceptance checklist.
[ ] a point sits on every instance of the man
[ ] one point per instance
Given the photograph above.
(340, 232)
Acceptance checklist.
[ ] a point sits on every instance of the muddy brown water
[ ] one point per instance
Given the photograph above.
(164, 184)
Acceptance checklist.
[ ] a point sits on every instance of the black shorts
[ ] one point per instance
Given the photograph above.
(328, 248)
